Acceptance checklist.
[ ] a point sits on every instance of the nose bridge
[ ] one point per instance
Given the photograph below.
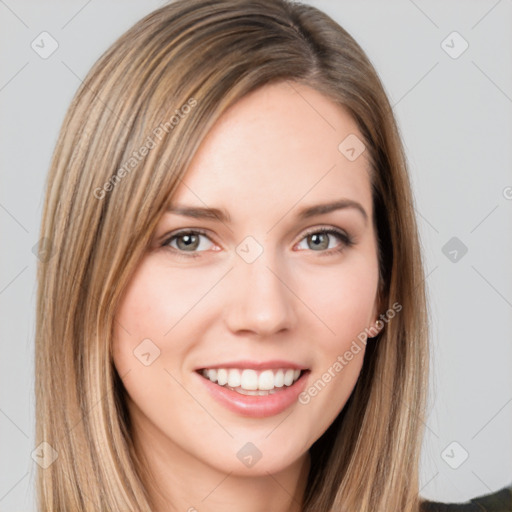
(259, 300)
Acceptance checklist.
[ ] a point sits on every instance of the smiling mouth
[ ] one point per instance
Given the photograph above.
(253, 382)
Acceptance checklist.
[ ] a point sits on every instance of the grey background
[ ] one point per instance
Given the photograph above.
(455, 119)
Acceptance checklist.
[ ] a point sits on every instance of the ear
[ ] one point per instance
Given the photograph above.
(375, 316)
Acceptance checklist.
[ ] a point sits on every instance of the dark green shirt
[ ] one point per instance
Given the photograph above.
(500, 501)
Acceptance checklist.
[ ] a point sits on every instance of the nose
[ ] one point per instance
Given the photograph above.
(259, 297)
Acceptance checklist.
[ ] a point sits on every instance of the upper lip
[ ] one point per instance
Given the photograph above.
(256, 365)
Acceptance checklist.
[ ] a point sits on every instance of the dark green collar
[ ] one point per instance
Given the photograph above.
(500, 501)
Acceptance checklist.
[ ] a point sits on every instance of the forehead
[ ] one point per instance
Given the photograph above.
(279, 145)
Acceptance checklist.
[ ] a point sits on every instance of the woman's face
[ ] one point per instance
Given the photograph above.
(261, 289)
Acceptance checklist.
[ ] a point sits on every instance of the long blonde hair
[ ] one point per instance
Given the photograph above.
(161, 86)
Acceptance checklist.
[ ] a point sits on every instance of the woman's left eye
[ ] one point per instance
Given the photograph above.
(320, 240)
(188, 243)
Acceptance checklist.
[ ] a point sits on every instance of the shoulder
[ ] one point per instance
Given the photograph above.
(499, 501)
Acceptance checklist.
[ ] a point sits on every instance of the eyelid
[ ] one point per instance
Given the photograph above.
(323, 228)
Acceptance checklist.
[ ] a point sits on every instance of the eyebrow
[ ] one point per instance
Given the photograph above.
(222, 215)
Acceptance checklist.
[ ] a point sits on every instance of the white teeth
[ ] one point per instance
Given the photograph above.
(252, 382)
(288, 377)
(249, 380)
(234, 378)
(222, 376)
(266, 380)
(279, 379)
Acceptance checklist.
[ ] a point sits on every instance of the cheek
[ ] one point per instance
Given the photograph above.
(343, 300)
(156, 299)
(145, 314)
(149, 345)
(160, 320)
(157, 303)
(345, 304)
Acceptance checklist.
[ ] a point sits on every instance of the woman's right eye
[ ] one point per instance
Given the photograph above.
(186, 243)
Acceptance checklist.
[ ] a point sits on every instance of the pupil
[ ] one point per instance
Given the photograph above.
(188, 241)
(316, 239)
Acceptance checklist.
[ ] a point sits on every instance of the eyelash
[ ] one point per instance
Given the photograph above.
(347, 241)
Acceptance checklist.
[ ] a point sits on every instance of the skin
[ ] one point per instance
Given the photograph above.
(270, 155)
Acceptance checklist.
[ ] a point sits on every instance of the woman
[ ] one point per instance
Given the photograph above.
(234, 316)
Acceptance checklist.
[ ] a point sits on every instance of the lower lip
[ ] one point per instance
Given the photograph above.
(256, 406)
